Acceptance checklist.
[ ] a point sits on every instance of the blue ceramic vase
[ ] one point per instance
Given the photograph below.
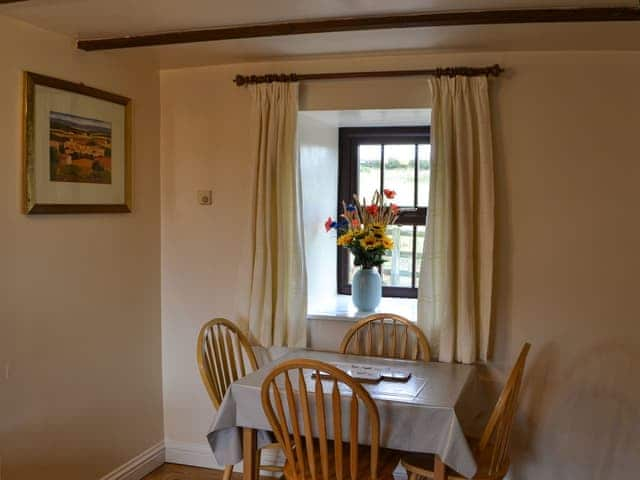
(366, 289)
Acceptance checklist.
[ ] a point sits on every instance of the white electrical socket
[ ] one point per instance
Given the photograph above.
(205, 197)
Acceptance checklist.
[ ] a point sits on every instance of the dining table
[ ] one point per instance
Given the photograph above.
(423, 414)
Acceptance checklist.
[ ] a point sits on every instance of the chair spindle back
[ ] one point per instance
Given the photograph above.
(284, 409)
(223, 353)
(386, 335)
(497, 434)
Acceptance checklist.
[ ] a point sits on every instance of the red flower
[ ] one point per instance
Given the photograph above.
(355, 222)
(389, 193)
(394, 208)
(328, 224)
(372, 209)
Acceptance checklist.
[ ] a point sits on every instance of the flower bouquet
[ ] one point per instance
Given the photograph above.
(362, 229)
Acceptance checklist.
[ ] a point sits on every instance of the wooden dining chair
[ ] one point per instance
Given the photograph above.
(224, 355)
(492, 450)
(304, 398)
(386, 335)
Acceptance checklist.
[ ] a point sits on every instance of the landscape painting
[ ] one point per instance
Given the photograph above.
(79, 149)
(76, 148)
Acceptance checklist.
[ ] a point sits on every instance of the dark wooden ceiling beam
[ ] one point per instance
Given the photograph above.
(442, 19)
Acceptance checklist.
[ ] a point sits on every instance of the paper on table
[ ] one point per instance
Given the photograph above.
(371, 373)
(407, 390)
(397, 390)
(361, 373)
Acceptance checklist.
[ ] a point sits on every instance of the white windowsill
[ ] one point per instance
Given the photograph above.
(342, 308)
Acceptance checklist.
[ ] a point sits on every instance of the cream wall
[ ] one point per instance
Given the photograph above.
(79, 294)
(567, 175)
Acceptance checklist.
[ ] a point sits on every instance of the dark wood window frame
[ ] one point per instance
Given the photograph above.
(349, 139)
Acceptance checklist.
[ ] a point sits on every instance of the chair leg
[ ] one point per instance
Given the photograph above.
(228, 470)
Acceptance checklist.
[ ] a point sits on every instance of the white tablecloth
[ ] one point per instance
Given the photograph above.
(422, 417)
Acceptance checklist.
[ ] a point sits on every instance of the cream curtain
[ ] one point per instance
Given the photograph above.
(277, 296)
(454, 299)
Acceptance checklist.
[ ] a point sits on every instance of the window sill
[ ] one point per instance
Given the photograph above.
(341, 308)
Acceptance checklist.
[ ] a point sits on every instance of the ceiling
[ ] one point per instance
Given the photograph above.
(88, 19)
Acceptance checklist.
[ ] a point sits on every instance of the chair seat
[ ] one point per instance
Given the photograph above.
(423, 465)
(387, 462)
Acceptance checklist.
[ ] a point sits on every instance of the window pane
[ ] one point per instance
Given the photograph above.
(424, 172)
(399, 172)
(396, 270)
(420, 233)
(368, 170)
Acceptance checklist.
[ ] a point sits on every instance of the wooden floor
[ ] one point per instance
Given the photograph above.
(171, 471)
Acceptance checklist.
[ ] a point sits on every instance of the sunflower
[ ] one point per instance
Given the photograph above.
(379, 227)
(387, 243)
(360, 233)
(369, 242)
(345, 239)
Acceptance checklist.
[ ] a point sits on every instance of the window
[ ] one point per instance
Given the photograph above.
(396, 158)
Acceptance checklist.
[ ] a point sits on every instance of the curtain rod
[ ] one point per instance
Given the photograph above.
(493, 70)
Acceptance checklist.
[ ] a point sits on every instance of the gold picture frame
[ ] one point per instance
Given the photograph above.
(76, 148)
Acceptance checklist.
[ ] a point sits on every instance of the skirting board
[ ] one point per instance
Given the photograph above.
(199, 455)
(139, 466)
(193, 454)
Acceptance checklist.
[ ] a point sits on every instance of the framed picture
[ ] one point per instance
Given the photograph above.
(77, 148)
